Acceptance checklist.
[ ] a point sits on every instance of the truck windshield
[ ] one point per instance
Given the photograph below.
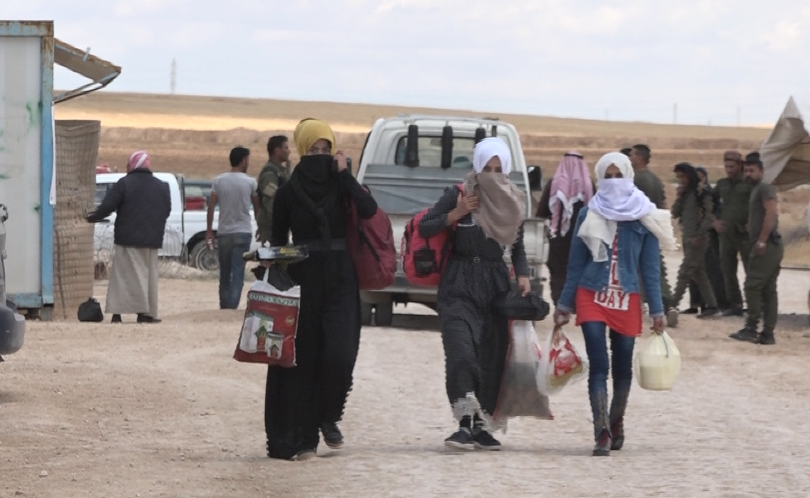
(430, 152)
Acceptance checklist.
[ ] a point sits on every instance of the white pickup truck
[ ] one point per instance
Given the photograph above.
(185, 228)
(406, 175)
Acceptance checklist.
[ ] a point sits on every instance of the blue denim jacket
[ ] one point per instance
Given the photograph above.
(638, 254)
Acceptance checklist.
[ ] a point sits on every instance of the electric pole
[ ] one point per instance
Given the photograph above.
(174, 76)
(675, 113)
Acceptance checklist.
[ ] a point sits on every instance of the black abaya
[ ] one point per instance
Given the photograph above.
(299, 399)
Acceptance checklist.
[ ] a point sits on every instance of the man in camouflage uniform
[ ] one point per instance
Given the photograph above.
(272, 176)
(652, 186)
(694, 207)
(734, 192)
(764, 257)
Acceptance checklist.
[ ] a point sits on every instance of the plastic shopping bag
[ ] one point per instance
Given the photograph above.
(658, 363)
(270, 325)
(518, 394)
(562, 364)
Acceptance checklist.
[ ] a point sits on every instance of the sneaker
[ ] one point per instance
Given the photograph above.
(332, 435)
(144, 318)
(303, 456)
(734, 311)
(746, 334)
(617, 429)
(603, 444)
(462, 439)
(483, 440)
(707, 312)
(672, 317)
(766, 339)
(116, 319)
(690, 311)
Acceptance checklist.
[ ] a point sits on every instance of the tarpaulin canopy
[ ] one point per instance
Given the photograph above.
(98, 71)
(786, 151)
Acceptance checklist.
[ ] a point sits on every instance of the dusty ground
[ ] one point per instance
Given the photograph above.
(126, 410)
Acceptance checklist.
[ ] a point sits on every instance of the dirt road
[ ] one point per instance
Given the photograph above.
(137, 411)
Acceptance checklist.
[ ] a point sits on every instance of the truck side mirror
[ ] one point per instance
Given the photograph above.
(535, 178)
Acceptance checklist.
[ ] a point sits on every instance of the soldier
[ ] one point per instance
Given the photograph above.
(764, 257)
(271, 178)
(734, 192)
(694, 210)
(653, 188)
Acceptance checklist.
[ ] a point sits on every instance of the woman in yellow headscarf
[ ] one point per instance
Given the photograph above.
(306, 399)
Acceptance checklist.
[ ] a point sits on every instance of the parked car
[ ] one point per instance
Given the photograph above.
(408, 161)
(197, 194)
(185, 228)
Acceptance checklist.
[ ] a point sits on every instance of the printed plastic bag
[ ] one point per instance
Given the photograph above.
(270, 325)
(561, 365)
(518, 394)
(658, 363)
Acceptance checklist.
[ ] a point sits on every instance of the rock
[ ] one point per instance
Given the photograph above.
(44, 473)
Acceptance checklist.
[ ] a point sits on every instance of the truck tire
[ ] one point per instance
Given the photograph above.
(384, 314)
(203, 258)
(366, 310)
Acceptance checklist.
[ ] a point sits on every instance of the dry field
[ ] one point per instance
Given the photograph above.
(103, 410)
(193, 135)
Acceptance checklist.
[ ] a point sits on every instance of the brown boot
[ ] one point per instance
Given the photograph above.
(603, 444)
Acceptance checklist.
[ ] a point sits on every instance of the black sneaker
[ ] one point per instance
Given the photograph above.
(462, 439)
(733, 312)
(708, 312)
(603, 444)
(332, 435)
(689, 311)
(766, 339)
(144, 318)
(116, 319)
(483, 440)
(746, 334)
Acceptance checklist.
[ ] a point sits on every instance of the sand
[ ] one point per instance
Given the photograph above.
(97, 410)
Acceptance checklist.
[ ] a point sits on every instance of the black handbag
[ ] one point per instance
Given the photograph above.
(515, 306)
(90, 311)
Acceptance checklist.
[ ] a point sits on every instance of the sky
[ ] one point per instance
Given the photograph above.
(719, 62)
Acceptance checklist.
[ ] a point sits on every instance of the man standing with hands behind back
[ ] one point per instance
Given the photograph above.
(272, 176)
(735, 193)
(236, 193)
(764, 258)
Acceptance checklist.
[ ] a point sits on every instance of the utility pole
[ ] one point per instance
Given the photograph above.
(174, 76)
(607, 115)
(675, 113)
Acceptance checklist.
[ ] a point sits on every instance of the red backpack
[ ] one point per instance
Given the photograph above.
(423, 260)
(372, 249)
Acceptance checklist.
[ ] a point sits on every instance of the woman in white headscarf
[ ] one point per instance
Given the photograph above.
(617, 238)
(488, 216)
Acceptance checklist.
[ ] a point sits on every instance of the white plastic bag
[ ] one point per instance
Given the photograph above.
(562, 364)
(519, 395)
(658, 363)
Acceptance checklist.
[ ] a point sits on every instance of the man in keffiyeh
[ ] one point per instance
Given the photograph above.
(142, 203)
(563, 197)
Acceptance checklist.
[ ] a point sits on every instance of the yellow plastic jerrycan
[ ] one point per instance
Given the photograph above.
(658, 363)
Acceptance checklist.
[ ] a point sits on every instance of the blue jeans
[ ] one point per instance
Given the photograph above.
(621, 347)
(231, 267)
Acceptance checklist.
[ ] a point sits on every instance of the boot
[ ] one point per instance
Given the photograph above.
(746, 334)
(603, 444)
(766, 338)
(621, 393)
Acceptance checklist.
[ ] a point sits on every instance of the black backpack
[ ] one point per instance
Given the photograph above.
(90, 311)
